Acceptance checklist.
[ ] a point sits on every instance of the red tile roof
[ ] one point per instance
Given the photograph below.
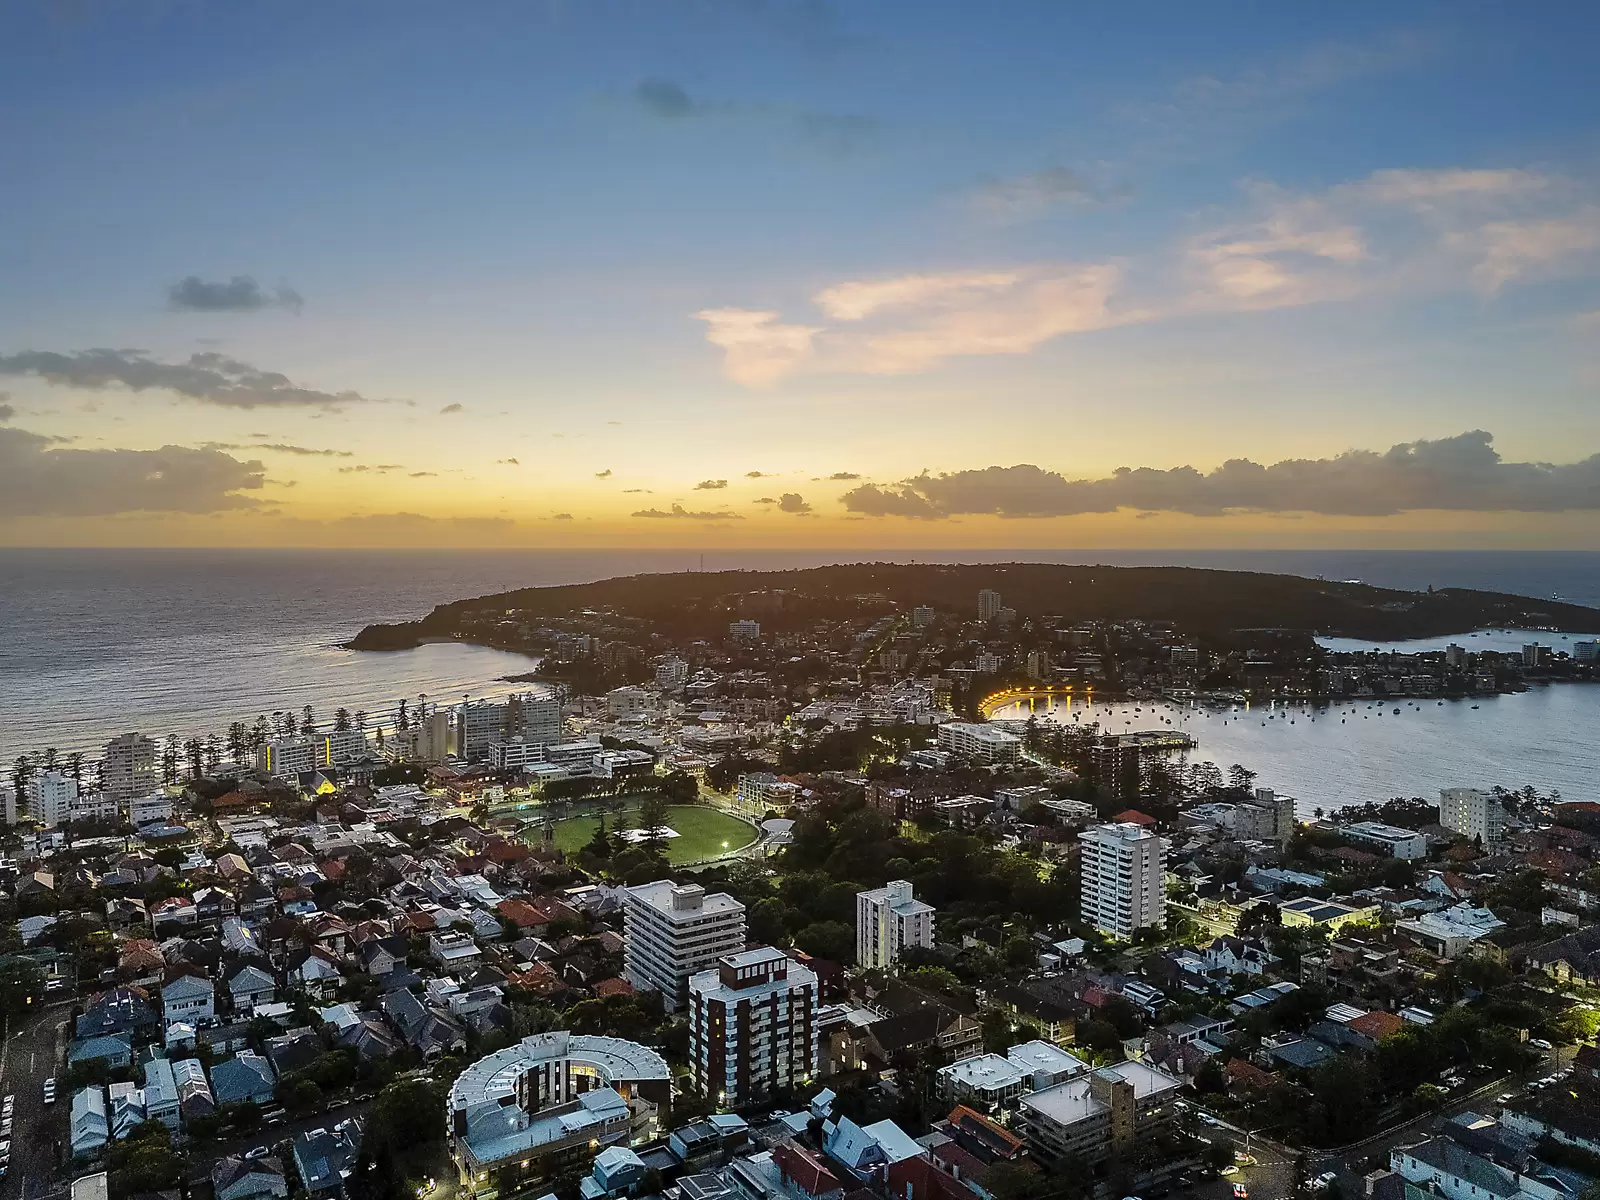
(805, 1170)
(1135, 816)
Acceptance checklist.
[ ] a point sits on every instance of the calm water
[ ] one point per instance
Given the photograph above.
(96, 642)
(1355, 752)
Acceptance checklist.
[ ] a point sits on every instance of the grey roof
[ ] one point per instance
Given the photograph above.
(1446, 1156)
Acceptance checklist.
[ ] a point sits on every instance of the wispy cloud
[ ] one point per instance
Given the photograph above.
(1402, 230)
(450, 410)
(678, 513)
(239, 294)
(711, 485)
(1020, 197)
(281, 448)
(834, 134)
(210, 378)
(1462, 473)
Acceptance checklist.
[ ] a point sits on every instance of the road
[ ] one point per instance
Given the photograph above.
(38, 1134)
(1272, 1175)
(203, 1157)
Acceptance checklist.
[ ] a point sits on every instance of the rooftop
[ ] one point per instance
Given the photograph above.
(1073, 1101)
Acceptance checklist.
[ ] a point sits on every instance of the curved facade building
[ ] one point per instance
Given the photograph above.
(549, 1104)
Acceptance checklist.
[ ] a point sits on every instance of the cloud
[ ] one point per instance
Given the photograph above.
(756, 474)
(665, 99)
(759, 348)
(793, 502)
(843, 475)
(637, 491)
(837, 135)
(7, 411)
(280, 448)
(449, 409)
(239, 294)
(378, 469)
(678, 512)
(562, 517)
(1397, 231)
(38, 479)
(767, 500)
(399, 522)
(606, 474)
(1463, 473)
(711, 485)
(209, 377)
(1033, 194)
(508, 462)
(423, 475)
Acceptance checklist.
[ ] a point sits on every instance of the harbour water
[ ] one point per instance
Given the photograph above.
(97, 642)
(1328, 757)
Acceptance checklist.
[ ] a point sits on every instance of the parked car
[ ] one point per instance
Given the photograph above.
(1541, 1044)
(1240, 1192)
(258, 1152)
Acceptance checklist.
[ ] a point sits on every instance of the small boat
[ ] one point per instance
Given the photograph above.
(1397, 712)
(1474, 706)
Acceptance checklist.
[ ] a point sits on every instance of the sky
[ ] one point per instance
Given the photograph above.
(795, 273)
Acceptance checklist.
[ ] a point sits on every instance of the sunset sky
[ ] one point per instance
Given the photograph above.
(761, 273)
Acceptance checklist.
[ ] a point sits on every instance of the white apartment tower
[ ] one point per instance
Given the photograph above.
(888, 919)
(51, 795)
(129, 767)
(752, 1026)
(988, 605)
(1123, 889)
(1476, 816)
(672, 932)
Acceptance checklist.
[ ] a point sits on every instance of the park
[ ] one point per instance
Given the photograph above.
(702, 832)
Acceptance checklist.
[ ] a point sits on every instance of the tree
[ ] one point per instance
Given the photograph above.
(21, 773)
(1241, 778)
(402, 716)
(169, 759)
(21, 984)
(308, 722)
(341, 719)
(238, 738)
(600, 844)
(144, 1161)
(653, 822)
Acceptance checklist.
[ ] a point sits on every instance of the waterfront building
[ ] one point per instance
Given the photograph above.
(51, 796)
(8, 803)
(128, 768)
(752, 1026)
(94, 805)
(888, 919)
(988, 605)
(986, 743)
(286, 758)
(340, 746)
(1477, 816)
(1585, 652)
(548, 1105)
(1267, 817)
(1122, 871)
(672, 932)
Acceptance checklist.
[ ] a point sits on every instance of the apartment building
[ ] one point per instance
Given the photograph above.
(673, 932)
(128, 768)
(1477, 816)
(752, 1026)
(888, 919)
(985, 743)
(1123, 888)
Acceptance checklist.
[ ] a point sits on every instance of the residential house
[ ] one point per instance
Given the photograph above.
(248, 1076)
(91, 1123)
(250, 987)
(190, 999)
(237, 1178)
(115, 1048)
(161, 1100)
(325, 1157)
(1239, 956)
(423, 1029)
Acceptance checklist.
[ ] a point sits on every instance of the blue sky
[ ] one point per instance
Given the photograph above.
(683, 242)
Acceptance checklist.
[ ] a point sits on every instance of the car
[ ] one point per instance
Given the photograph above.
(1240, 1192)
(55, 985)
(1505, 1097)
(1541, 1044)
(277, 1120)
(1228, 1170)
(1207, 1119)
(258, 1152)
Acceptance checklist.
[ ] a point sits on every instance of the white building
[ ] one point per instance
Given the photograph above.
(986, 743)
(752, 1026)
(1388, 839)
(287, 757)
(51, 795)
(1123, 889)
(1585, 652)
(339, 746)
(129, 766)
(888, 919)
(988, 605)
(157, 806)
(923, 615)
(745, 630)
(672, 932)
(1476, 816)
(627, 701)
(671, 674)
(477, 724)
(95, 806)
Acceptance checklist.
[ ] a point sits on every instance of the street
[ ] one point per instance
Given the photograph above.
(32, 1055)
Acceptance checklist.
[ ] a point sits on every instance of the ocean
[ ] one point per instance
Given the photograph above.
(99, 642)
